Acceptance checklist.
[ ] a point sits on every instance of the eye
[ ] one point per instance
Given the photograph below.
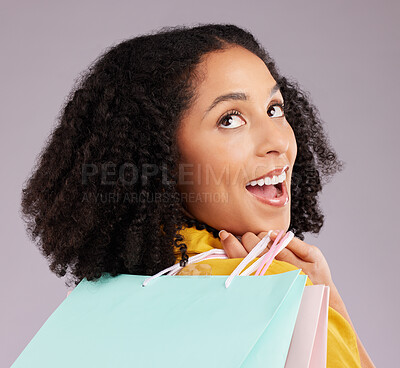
(277, 110)
(226, 122)
(229, 122)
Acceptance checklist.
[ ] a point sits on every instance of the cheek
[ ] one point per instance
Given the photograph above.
(195, 160)
(227, 159)
(210, 170)
(214, 163)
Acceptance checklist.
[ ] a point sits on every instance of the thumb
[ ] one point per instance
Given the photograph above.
(232, 246)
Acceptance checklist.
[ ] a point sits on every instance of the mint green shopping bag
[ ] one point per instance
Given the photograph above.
(175, 321)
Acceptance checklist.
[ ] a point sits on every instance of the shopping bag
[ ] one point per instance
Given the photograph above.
(172, 321)
(308, 348)
(176, 321)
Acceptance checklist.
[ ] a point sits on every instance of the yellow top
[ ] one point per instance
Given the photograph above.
(342, 341)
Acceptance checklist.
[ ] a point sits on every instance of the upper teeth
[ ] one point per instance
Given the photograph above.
(268, 181)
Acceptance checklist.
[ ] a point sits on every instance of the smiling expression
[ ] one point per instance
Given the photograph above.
(233, 133)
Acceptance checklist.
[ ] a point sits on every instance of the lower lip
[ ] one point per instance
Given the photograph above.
(280, 201)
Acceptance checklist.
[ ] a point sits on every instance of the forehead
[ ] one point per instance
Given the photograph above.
(233, 69)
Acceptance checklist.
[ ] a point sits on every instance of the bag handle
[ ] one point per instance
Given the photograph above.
(284, 242)
(264, 261)
(259, 248)
(276, 247)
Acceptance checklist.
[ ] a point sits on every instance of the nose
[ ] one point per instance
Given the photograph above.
(270, 135)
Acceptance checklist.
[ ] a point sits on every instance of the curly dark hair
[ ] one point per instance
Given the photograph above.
(123, 113)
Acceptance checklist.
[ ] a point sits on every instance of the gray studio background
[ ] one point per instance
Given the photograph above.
(346, 54)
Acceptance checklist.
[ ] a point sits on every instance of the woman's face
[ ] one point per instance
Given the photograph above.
(222, 153)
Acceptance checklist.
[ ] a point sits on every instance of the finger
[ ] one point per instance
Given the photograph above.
(261, 235)
(232, 246)
(288, 256)
(250, 240)
(301, 249)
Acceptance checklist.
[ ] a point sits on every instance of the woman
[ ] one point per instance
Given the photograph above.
(164, 143)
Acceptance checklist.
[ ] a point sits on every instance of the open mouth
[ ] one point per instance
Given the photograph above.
(279, 190)
(273, 195)
(266, 191)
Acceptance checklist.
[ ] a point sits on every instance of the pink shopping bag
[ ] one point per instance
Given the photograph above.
(308, 347)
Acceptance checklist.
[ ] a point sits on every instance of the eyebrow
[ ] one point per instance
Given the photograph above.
(236, 96)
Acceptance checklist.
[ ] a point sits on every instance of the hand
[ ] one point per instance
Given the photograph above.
(298, 253)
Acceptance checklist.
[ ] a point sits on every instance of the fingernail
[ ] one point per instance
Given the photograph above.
(275, 233)
(223, 234)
